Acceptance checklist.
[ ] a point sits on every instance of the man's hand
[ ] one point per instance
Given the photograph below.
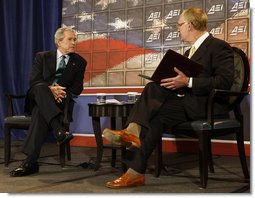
(181, 80)
(58, 92)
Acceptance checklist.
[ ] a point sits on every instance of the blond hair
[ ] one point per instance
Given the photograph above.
(197, 17)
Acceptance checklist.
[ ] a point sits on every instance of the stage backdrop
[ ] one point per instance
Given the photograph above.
(123, 38)
(118, 38)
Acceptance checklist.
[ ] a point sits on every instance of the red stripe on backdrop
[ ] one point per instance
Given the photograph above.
(103, 45)
(171, 145)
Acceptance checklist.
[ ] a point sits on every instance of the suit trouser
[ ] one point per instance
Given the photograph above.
(157, 110)
(44, 110)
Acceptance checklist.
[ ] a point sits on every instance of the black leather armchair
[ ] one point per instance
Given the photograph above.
(13, 121)
(205, 130)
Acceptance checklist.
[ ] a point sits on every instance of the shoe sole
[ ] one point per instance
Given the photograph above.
(118, 187)
(21, 174)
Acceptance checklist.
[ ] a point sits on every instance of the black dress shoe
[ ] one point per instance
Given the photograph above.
(63, 137)
(25, 169)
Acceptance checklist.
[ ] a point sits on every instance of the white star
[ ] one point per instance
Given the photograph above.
(64, 11)
(97, 35)
(69, 26)
(73, 2)
(103, 3)
(118, 24)
(84, 17)
(135, 2)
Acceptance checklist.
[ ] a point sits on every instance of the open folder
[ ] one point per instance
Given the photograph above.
(173, 59)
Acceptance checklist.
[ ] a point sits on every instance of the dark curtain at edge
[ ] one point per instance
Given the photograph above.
(28, 26)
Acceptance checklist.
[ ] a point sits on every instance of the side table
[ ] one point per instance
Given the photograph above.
(112, 110)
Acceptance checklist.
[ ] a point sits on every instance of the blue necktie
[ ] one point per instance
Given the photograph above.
(61, 68)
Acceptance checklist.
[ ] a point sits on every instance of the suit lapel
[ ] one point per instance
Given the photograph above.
(71, 65)
(69, 70)
(50, 63)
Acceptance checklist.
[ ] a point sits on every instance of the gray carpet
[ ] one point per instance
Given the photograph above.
(180, 174)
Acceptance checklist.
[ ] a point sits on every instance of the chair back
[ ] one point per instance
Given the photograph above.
(241, 76)
(10, 106)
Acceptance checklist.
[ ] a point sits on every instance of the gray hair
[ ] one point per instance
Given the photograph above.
(59, 35)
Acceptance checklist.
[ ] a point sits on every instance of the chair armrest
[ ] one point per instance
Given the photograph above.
(220, 92)
(10, 97)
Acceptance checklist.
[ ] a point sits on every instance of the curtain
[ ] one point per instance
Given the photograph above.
(28, 26)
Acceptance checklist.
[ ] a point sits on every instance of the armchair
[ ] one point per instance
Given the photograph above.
(205, 130)
(13, 121)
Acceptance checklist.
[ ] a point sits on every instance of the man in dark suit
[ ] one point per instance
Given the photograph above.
(56, 76)
(161, 107)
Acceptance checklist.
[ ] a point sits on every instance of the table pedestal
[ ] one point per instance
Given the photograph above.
(98, 110)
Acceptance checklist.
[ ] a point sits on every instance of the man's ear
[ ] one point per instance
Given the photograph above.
(58, 43)
(190, 26)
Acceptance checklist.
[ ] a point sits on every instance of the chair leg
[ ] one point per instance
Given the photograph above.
(7, 145)
(113, 160)
(62, 155)
(203, 158)
(158, 158)
(68, 151)
(211, 167)
(241, 151)
(123, 152)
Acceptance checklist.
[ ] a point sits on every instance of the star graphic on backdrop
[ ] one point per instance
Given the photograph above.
(103, 3)
(135, 2)
(64, 11)
(73, 2)
(119, 24)
(69, 26)
(84, 17)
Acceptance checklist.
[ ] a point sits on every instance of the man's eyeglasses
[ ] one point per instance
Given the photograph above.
(180, 24)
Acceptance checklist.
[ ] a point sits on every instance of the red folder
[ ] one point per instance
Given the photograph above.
(173, 59)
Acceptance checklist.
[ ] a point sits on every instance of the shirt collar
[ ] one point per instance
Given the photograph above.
(200, 40)
(59, 54)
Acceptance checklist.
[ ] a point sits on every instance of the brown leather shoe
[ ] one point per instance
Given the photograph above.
(121, 138)
(126, 181)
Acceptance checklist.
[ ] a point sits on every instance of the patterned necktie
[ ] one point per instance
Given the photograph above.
(191, 51)
(61, 68)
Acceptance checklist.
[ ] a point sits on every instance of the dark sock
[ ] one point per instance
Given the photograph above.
(31, 160)
(56, 123)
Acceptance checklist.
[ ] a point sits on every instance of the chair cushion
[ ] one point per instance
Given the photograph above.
(201, 125)
(19, 119)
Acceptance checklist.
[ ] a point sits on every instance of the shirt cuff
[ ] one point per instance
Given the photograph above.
(190, 82)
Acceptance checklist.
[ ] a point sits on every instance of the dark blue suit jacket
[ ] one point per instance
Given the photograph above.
(44, 69)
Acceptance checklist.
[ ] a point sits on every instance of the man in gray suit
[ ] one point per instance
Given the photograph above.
(160, 107)
(55, 75)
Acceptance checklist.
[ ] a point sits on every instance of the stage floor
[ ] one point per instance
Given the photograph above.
(181, 174)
